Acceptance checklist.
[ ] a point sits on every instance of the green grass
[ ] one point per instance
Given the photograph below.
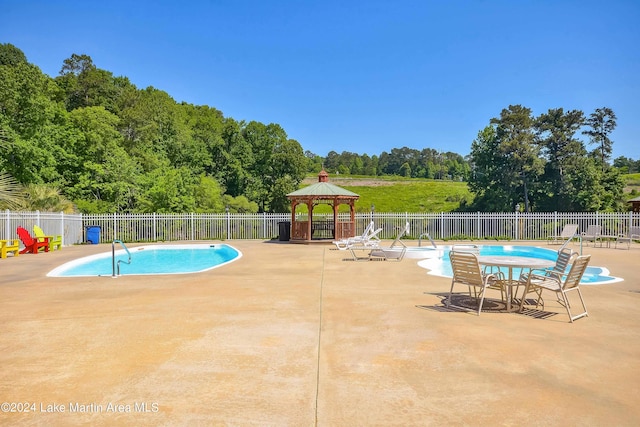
(417, 196)
(398, 194)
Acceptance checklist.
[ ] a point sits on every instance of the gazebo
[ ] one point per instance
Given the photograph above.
(306, 229)
(635, 204)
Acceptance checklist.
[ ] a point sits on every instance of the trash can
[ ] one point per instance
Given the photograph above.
(285, 231)
(93, 234)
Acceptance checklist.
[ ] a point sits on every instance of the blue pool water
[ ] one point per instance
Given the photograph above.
(442, 266)
(160, 259)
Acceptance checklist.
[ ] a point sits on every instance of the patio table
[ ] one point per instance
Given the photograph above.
(511, 262)
(605, 239)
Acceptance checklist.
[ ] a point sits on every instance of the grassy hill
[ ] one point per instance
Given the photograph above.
(397, 194)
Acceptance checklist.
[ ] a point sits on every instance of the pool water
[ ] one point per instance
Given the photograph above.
(442, 266)
(160, 259)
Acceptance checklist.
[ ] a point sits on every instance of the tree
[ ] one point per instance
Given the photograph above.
(46, 198)
(11, 55)
(11, 193)
(519, 160)
(486, 164)
(601, 122)
(556, 136)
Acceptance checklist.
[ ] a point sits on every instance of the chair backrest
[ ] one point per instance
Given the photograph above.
(565, 257)
(634, 231)
(474, 249)
(569, 230)
(38, 231)
(593, 230)
(577, 271)
(466, 268)
(373, 235)
(24, 235)
(367, 230)
(401, 233)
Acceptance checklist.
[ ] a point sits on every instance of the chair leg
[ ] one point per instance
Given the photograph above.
(451, 293)
(584, 307)
(481, 300)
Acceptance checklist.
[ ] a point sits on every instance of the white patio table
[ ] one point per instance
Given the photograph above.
(511, 262)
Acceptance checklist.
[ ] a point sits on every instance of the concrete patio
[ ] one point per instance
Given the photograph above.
(294, 335)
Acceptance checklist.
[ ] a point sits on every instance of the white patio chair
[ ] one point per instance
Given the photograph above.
(634, 234)
(467, 271)
(560, 285)
(569, 231)
(563, 262)
(592, 234)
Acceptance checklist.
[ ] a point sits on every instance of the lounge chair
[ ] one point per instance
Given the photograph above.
(9, 246)
(592, 234)
(31, 245)
(634, 234)
(368, 239)
(467, 271)
(55, 242)
(560, 285)
(569, 232)
(395, 251)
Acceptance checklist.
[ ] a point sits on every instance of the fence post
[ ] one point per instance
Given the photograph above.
(62, 226)
(192, 226)
(7, 225)
(115, 227)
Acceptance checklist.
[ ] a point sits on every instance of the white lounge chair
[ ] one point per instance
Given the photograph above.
(395, 251)
(368, 239)
(560, 285)
(592, 234)
(634, 234)
(569, 231)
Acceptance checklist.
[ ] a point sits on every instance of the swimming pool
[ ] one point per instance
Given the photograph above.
(146, 260)
(442, 266)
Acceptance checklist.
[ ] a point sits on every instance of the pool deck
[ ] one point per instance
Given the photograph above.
(295, 335)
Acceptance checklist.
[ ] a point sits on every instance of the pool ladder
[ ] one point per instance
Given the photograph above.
(428, 237)
(115, 266)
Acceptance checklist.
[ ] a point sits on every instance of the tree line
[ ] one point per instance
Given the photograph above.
(94, 142)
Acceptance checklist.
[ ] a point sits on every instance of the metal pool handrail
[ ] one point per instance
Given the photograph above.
(113, 258)
(429, 237)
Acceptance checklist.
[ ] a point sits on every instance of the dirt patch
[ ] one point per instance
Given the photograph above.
(357, 182)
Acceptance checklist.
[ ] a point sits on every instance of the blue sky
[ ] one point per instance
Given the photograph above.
(364, 76)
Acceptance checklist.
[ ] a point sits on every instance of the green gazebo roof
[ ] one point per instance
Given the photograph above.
(322, 189)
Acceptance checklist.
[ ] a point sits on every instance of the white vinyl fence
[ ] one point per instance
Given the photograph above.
(265, 226)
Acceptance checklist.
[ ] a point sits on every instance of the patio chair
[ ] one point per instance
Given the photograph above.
(560, 285)
(55, 242)
(467, 272)
(498, 283)
(31, 245)
(564, 261)
(592, 234)
(634, 234)
(569, 232)
(9, 246)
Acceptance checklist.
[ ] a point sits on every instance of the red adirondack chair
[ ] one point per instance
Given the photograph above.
(30, 244)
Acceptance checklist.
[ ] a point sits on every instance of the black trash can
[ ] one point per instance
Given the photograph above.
(285, 231)
(93, 234)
